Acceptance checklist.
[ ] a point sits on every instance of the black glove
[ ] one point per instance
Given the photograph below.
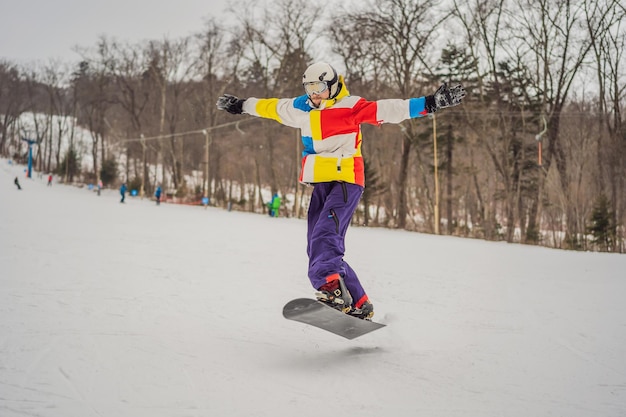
(232, 104)
(445, 97)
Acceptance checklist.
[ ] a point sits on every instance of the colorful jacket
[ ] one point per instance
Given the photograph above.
(275, 203)
(331, 134)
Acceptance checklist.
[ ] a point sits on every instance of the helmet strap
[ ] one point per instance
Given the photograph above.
(339, 87)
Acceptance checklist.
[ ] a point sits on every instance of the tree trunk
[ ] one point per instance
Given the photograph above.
(402, 183)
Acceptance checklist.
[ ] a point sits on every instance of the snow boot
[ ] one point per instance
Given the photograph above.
(335, 294)
(365, 312)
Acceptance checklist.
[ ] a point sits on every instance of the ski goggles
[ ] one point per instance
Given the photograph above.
(315, 87)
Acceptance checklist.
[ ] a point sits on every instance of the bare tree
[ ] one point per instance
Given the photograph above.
(169, 69)
(12, 102)
(211, 55)
(554, 35)
(403, 30)
(61, 113)
(126, 66)
(274, 51)
(605, 23)
(91, 86)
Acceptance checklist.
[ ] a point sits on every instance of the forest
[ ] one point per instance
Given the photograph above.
(536, 154)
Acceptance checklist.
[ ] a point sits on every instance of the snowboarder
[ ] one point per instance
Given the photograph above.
(123, 189)
(329, 119)
(157, 195)
(17, 183)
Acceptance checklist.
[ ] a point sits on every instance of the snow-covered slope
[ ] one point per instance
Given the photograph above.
(110, 309)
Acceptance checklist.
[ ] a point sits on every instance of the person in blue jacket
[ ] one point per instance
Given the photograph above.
(157, 195)
(123, 189)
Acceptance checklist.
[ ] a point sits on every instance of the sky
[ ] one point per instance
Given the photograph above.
(134, 309)
(40, 30)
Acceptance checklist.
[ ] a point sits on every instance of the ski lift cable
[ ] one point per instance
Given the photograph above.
(191, 132)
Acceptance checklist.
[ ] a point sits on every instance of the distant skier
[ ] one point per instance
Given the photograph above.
(157, 195)
(50, 180)
(99, 187)
(123, 189)
(17, 183)
(274, 205)
(330, 119)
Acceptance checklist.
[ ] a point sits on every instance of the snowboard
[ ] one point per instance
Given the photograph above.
(318, 314)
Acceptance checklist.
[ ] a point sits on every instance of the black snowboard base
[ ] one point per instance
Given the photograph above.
(315, 313)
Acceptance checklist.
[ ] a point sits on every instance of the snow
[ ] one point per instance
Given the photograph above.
(110, 309)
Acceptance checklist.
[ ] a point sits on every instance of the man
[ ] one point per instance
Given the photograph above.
(157, 195)
(329, 119)
(274, 205)
(123, 189)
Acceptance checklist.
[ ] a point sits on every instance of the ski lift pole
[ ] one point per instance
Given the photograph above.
(30, 142)
(539, 143)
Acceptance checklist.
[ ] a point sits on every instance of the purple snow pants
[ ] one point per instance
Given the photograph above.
(330, 211)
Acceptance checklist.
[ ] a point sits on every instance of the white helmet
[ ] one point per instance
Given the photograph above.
(319, 77)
